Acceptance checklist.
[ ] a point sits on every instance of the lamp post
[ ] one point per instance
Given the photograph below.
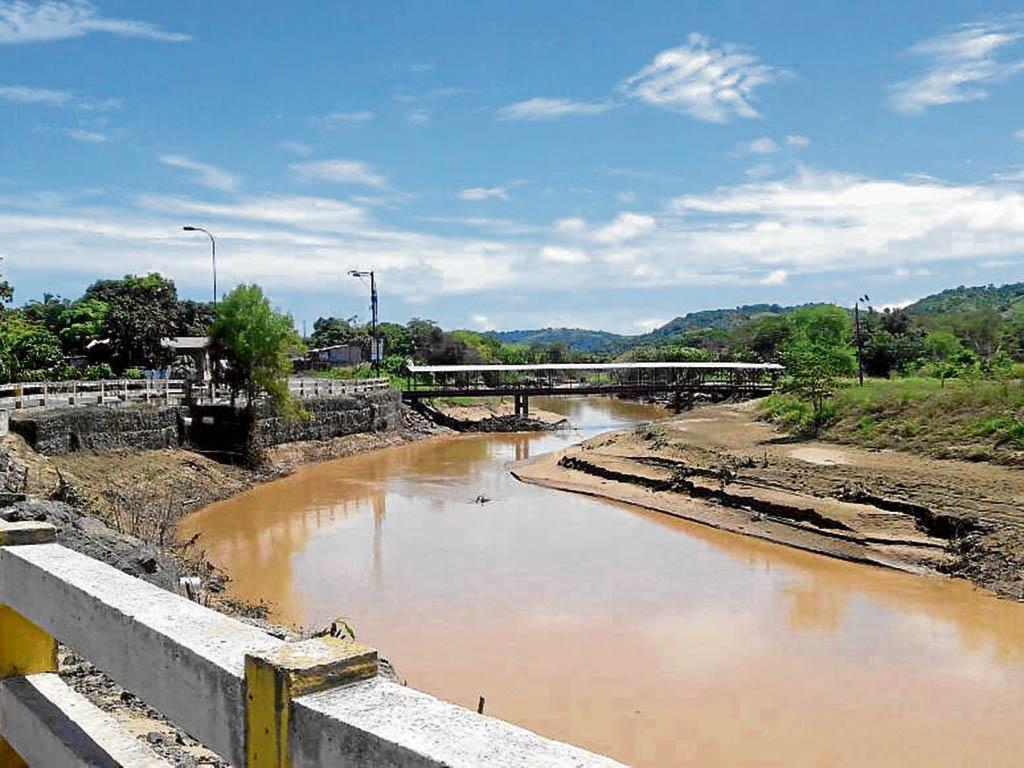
(859, 337)
(374, 349)
(213, 246)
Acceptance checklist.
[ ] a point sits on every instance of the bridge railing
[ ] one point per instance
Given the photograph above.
(611, 377)
(251, 698)
(57, 394)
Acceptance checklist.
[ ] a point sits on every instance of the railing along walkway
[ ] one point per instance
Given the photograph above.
(253, 699)
(61, 394)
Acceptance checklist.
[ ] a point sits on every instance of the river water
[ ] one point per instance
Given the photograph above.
(628, 632)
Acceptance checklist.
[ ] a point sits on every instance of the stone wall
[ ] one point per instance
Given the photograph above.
(221, 429)
(329, 417)
(214, 428)
(59, 431)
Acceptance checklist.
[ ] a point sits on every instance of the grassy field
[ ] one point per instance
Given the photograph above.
(977, 421)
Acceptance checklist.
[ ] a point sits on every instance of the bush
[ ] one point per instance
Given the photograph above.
(97, 372)
(133, 373)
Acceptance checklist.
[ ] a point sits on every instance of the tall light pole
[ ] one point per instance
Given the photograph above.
(213, 245)
(860, 339)
(374, 349)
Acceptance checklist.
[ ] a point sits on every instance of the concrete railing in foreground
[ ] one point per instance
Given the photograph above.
(252, 698)
(59, 394)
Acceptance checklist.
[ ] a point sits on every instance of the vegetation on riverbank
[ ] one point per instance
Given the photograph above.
(977, 420)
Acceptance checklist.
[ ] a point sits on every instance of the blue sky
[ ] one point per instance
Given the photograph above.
(512, 165)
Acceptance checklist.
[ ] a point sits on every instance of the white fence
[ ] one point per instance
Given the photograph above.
(55, 394)
(253, 699)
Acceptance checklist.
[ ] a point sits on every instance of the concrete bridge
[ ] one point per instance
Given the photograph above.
(682, 380)
(251, 698)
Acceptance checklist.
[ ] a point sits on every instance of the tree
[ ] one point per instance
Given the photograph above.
(143, 312)
(28, 351)
(80, 323)
(765, 336)
(818, 356)
(332, 331)
(251, 342)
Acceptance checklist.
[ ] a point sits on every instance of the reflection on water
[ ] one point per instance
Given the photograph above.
(629, 632)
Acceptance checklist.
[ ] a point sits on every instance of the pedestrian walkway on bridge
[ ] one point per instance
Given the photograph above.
(718, 380)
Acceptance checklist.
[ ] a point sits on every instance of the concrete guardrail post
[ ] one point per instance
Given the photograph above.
(274, 679)
(25, 649)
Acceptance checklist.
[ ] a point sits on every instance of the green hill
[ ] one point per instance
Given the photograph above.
(578, 339)
(968, 298)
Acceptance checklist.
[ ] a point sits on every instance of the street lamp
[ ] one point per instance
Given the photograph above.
(213, 245)
(374, 349)
(860, 339)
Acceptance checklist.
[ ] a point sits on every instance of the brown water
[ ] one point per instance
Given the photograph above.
(628, 632)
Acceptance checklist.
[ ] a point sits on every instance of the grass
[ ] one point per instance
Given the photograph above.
(980, 420)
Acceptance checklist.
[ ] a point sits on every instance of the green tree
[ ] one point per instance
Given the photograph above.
(818, 356)
(81, 322)
(253, 343)
(143, 312)
(332, 331)
(28, 351)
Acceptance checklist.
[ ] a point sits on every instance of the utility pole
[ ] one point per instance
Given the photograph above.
(375, 349)
(859, 337)
(213, 246)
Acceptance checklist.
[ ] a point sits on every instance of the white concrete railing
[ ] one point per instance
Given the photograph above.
(253, 699)
(55, 394)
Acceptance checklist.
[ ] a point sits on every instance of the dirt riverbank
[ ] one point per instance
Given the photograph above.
(489, 415)
(892, 509)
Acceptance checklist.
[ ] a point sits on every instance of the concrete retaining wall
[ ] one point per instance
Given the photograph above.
(59, 431)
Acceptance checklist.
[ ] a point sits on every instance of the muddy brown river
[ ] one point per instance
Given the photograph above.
(654, 640)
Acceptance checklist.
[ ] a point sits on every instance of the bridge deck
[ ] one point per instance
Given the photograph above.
(428, 381)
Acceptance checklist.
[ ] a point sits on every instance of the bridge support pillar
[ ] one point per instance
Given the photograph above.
(25, 649)
(522, 405)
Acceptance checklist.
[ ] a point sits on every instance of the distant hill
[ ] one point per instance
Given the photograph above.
(720, 319)
(579, 339)
(966, 298)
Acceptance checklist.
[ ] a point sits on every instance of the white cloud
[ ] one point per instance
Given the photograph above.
(205, 174)
(796, 140)
(347, 118)
(626, 196)
(87, 137)
(625, 226)
(762, 146)
(23, 22)
(959, 66)
(550, 109)
(649, 324)
(296, 148)
(417, 116)
(759, 171)
(341, 172)
(559, 255)
(314, 214)
(1019, 135)
(484, 193)
(707, 83)
(571, 225)
(775, 277)
(483, 323)
(21, 94)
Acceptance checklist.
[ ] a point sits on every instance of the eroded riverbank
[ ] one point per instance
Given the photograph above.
(630, 632)
(911, 513)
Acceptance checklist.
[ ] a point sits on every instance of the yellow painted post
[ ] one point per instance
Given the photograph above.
(293, 670)
(25, 649)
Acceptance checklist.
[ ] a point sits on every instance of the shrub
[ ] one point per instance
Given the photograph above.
(98, 371)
